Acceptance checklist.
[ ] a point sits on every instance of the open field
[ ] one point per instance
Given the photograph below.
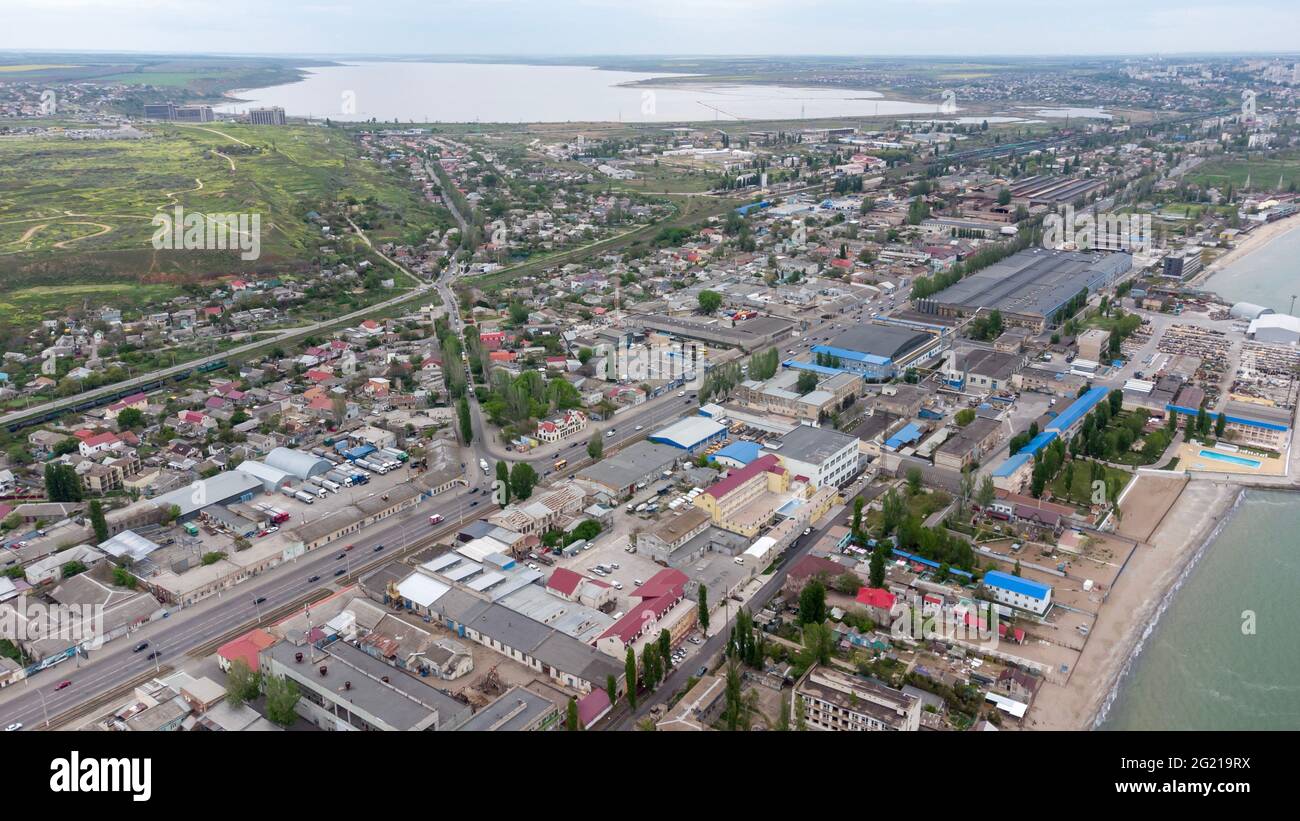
(79, 212)
(1263, 171)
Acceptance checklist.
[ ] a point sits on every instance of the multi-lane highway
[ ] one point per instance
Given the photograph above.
(182, 630)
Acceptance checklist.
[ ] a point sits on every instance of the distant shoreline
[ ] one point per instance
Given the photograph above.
(1254, 241)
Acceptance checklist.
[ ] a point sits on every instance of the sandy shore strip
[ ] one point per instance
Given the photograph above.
(1253, 242)
(1134, 604)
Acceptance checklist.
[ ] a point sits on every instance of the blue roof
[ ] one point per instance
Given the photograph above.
(1039, 442)
(742, 452)
(1078, 409)
(909, 433)
(1025, 587)
(854, 356)
(1240, 420)
(808, 366)
(912, 557)
(1011, 465)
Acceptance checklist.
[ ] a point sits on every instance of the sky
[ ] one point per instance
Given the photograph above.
(659, 27)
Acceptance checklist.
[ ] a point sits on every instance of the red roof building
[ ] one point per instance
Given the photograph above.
(246, 648)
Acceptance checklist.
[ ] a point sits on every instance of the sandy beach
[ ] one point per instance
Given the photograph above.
(1129, 613)
(1255, 240)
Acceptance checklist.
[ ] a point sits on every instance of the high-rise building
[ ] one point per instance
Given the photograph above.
(266, 116)
(179, 113)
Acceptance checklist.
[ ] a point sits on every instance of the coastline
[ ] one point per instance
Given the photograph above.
(1254, 241)
(1154, 573)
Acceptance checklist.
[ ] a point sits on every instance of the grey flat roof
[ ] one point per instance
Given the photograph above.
(1035, 281)
(994, 364)
(631, 464)
(514, 710)
(881, 340)
(813, 445)
(403, 702)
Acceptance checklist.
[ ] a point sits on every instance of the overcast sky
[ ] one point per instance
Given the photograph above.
(561, 27)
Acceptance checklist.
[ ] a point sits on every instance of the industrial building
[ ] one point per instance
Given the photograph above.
(1282, 329)
(823, 456)
(879, 352)
(749, 335)
(639, 462)
(297, 463)
(690, 434)
(1017, 592)
(1030, 287)
(836, 700)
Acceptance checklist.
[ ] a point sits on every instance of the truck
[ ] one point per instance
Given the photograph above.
(316, 490)
(435, 519)
(279, 516)
(339, 477)
(304, 496)
(366, 464)
(329, 484)
(287, 491)
(399, 455)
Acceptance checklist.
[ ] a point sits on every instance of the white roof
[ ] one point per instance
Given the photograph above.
(421, 589)
(1285, 322)
(263, 472)
(128, 543)
(1007, 705)
(480, 548)
(688, 432)
(760, 548)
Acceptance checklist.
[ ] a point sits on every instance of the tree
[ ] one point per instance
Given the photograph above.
(806, 383)
(503, 482)
(704, 610)
(964, 417)
(1220, 425)
(735, 705)
(281, 697)
(571, 717)
(72, 569)
(878, 568)
(595, 445)
(130, 418)
(812, 603)
(666, 647)
(522, 480)
(710, 301)
(466, 425)
(62, 483)
(611, 689)
(1116, 399)
(857, 519)
(914, 480)
(818, 643)
(800, 721)
(242, 683)
(629, 672)
(986, 492)
(97, 522)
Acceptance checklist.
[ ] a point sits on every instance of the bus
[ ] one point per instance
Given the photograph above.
(561, 463)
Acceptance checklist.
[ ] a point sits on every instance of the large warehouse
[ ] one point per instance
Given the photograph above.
(690, 434)
(1283, 329)
(1029, 287)
(880, 351)
(297, 463)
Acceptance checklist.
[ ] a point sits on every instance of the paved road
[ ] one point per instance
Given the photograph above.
(185, 629)
(714, 646)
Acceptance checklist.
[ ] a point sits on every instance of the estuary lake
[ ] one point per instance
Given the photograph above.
(508, 93)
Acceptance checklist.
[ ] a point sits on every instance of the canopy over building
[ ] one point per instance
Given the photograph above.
(298, 463)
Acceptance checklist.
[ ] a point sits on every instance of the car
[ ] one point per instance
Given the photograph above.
(614, 565)
(695, 640)
(474, 503)
(15, 727)
(340, 571)
(141, 646)
(340, 556)
(703, 671)
(532, 566)
(62, 685)
(609, 433)
(378, 548)
(349, 547)
(313, 579)
(640, 427)
(681, 393)
(688, 402)
(807, 530)
(260, 600)
(618, 585)
(154, 655)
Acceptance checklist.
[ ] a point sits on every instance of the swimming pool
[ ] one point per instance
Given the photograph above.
(1236, 460)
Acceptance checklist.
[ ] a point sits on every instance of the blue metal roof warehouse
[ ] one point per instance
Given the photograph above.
(1016, 584)
(742, 453)
(690, 433)
(1078, 409)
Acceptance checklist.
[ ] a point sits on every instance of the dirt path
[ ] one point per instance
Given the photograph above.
(28, 233)
(104, 229)
(214, 131)
(171, 195)
(226, 158)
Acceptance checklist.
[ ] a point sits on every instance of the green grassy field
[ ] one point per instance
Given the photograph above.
(76, 212)
(1263, 171)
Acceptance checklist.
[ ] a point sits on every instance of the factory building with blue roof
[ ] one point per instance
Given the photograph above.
(1014, 471)
(1017, 592)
